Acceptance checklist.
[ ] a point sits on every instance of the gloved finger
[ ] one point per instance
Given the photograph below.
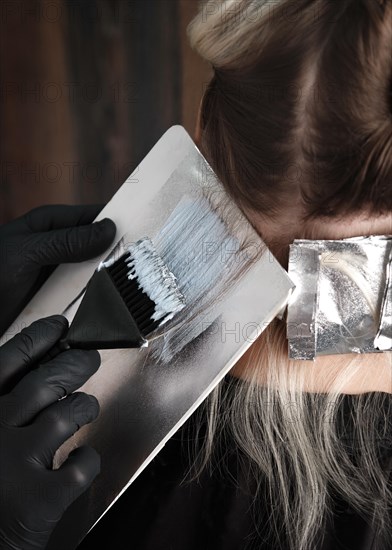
(47, 384)
(59, 422)
(74, 244)
(21, 353)
(59, 216)
(78, 472)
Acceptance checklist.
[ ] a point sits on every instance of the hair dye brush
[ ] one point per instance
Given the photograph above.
(124, 302)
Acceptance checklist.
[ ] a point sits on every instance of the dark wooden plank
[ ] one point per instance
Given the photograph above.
(35, 120)
(87, 87)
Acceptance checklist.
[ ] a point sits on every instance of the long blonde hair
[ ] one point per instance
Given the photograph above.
(269, 108)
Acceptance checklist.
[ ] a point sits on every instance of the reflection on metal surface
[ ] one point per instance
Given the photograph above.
(383, 340)
(341, 303)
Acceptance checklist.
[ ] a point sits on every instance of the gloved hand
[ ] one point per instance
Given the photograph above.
(32, 245)
(36, 417)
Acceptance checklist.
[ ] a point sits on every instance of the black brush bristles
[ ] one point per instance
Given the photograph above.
(140, 306)
(146, 285)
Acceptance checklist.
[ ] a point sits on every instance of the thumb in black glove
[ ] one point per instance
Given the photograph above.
(36, 417)
(32, 245)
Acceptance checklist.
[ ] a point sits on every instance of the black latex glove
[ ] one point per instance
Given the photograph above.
(32, 245)
(34, 422)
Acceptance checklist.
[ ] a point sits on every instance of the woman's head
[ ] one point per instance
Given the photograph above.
(297, 123)
(297, 119)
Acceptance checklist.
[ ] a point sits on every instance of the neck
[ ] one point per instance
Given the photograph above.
(347, 374)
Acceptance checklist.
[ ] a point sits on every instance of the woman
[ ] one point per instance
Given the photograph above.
(297, 123)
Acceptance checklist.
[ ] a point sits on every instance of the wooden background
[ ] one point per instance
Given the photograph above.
(86, 89)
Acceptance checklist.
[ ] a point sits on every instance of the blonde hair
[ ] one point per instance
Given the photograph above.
(292, 437)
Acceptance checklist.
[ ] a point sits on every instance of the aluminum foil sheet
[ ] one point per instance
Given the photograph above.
(304, 272)
(342, 300)
(383, 340)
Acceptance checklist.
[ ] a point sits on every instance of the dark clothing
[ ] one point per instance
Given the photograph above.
(158, 512)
